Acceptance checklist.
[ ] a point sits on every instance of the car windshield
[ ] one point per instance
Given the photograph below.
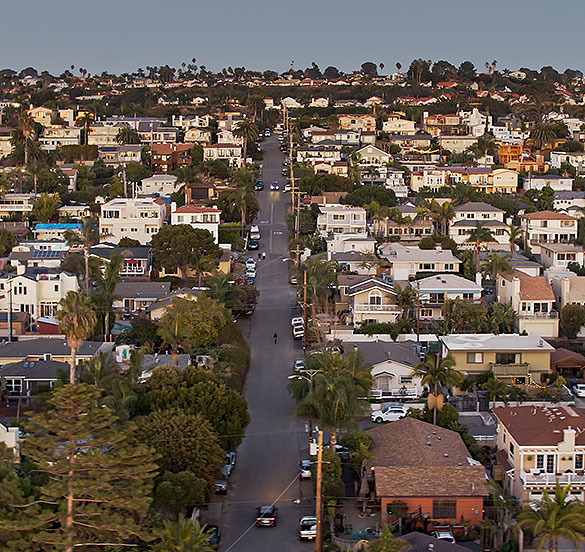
(308, 523)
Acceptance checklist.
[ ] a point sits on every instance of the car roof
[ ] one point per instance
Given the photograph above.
(265, 509)
(305, 462)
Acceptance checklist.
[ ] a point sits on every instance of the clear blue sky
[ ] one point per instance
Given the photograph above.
(122, 35)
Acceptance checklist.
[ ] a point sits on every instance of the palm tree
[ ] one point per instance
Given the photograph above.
(496, 264)
(86, 237)
(502, 318)
(554, 517)
(256, 105)
(242, 198)
(86, 120)
(506, 507)
(107, 294)
(479, 235)
(248, 131)
(77, 321)
(435, 371)
(372, 172)
(496, 388)
(514, 234)
(23, 135)
(100, 371)
(516, 393)
(442, 214)
(321, 280)
(543, 134)
(127, 135)
(405, 298)
(184, 536)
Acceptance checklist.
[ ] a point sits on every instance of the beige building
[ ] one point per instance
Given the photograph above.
(37, 291)
(548, 227)
(138, 219)
(533, 300)
(538, 447)
(341, 219)
(42, 115)
(457, 144)
(204, 218)
(519, 359)
(230, 153)
(358, 122)
(399, 126)
(483, 178)
(371, 301)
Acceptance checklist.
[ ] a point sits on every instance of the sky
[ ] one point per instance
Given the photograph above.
(122, 35)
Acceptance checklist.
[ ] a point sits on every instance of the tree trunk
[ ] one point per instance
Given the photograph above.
(245, 150)
(107, 325)
(72, 365)
(69, 507)
(333, 439)
(86, 261)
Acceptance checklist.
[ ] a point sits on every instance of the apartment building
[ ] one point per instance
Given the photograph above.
(230, 153)
(548, 227)
(57, 136)
(16, 204)
(485, 179)
(139, 219)
(358, 123)
(341, 219)
(165, 158)
(204, 218)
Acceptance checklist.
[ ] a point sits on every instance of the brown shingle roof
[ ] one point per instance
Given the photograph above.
(439, 481)
(547, 215)
(532, 288)
(534, 426)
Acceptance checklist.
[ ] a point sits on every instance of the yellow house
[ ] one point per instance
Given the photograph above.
(358, 122)
(519, 359)
(372, 300)
(42, 115)
(538, 446)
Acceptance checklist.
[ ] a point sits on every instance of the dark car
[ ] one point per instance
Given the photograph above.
(259, 186)
(266, 516)
(214, 534)
(220, 486)
(253, 244)
(230, 462)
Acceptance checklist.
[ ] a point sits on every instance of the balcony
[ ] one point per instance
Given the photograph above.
(520, 369)
(549, 479)
(366, 307)
(538, 315)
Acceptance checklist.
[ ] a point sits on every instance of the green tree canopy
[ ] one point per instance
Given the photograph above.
(572, 319)
(363, 195)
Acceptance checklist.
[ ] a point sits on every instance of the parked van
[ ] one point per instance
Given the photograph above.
(254, 233)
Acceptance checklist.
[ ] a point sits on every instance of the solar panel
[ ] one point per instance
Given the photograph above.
(42, 254)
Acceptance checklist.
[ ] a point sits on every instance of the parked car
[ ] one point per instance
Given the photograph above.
(293, 280)
(259, 186)
(266, 516)
(250, 280)
(220, 486)
(298, 331)
(446, 536)
(308, 528)
(274, 185)
(297, 320)
(253, 244)
(250, 273)
(579, 389)
(287, 188)
(250, 263)
(254, 233)
(305, 466)
(299, 364)
(214, 534)
(389, 414)
(342, 452)
(230, 459)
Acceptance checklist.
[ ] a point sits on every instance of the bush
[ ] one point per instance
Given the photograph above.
(428, 242)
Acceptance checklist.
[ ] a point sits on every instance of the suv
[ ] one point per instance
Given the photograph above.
(389, 414)
(305, 469)
(579, 389)
(308, 528)
(266, 516)
(254, 233)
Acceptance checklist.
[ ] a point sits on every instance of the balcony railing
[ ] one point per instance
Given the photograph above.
(536, 315)
(366, 307)
(520, 369)
(550, 479)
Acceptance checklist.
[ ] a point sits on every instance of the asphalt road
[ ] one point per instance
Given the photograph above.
(268, 458)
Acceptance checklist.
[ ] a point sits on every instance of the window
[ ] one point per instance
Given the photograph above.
(375, 298)
(550, 463)
(539, 461)
(405, 379)
(444, 509)
(511, 449)
(14, 386)
(426, 313)
(427, 266)
(506, 358)
(578, 461)
(57, 287)
(474, 358)
(468, 296)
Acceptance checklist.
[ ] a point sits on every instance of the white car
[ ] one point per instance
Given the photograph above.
(389, 414)
(446, 536)
(250, 263)
(287, 188)
(308, 528)
(305, 469)
(299, 364)
(297, 320)
(579, 389)
(298, 331)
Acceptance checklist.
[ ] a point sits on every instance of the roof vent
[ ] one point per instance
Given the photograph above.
(429, 443)
(446, 455)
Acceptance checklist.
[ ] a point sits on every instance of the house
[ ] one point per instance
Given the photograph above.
(568, 364)
(568, 289)
(159, 307)
(392, 365)
(313, 155)
(341, 219)
(548, 227)
(343, 243)
(407, 261)
(519, 359)
(230, 153)
(54, 230)
(47, 348)
(42, 115)
(540, 447)
(355, 261)
(510, 154)
(533, 300)
(165, 157)
(357, 122)
(197, 121)
(101, 134)
(74, 212)
(152, 361)
(37, 291)
(26, 377)
(112, 156)
(24, 256)
(54, 137)
(457, 144)
(570, 203)
(484, 179)
(137, 260)
(443, 124)
(226, 136)
(158, 185)
(139, 219)
(198, 136)
(205, 218)
(556, 182)
(399, 126)
(21, 323)
(560, 255)
(372, 300)
(371, 156)
(467, 215)
(12, 205)
(138, 296)
(340, 137)
(577, 160)
(403, 455)
(433, 291)
(408, 231)
(411, 142)
(5, 141)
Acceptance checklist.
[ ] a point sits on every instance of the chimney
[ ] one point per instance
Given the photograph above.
(478, 279)
(565, 290)
(173, 206)
(569, 438)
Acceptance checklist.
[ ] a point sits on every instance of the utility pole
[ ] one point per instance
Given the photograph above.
(418, 313)
(9, 310)
(319, 513)
(305, 312)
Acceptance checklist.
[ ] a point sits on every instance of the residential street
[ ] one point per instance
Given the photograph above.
(268, 458)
